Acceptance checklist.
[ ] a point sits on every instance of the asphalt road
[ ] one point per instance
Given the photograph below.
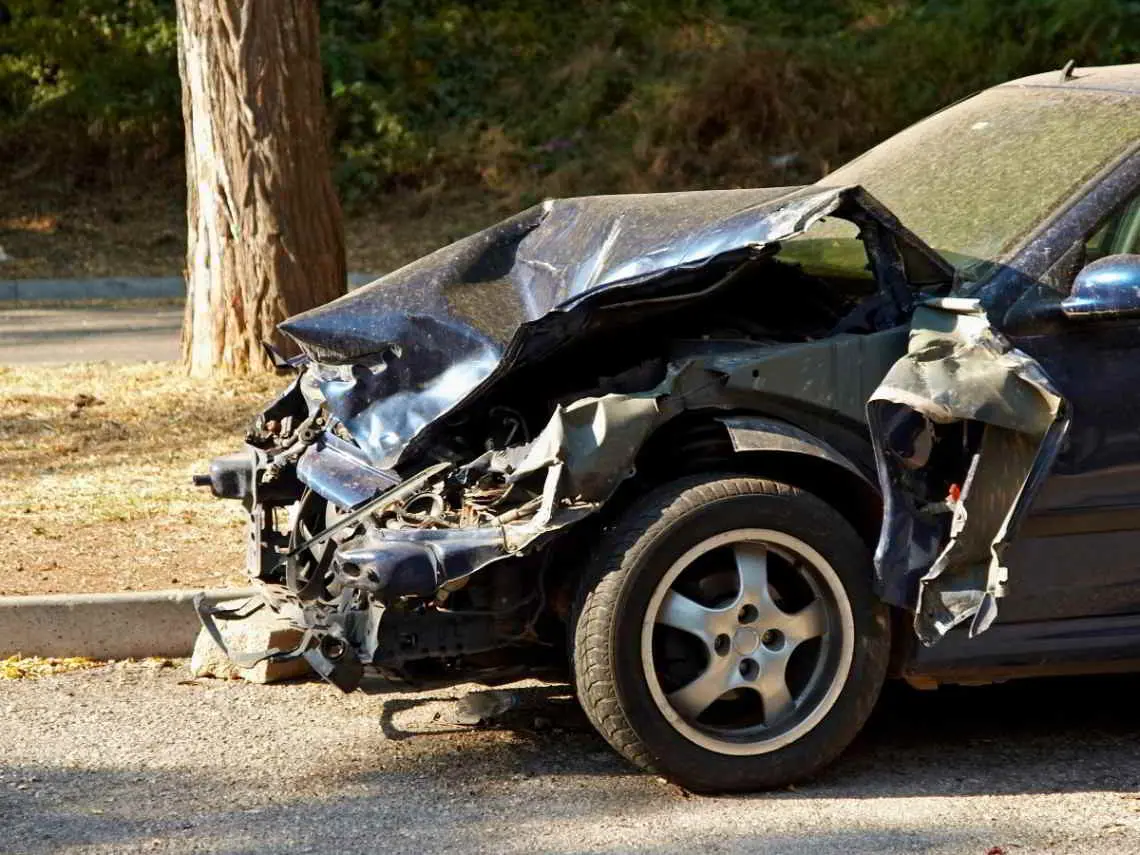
(89, 334)
(131, 758)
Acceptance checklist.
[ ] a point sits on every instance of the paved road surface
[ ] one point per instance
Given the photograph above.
(128, 758)
(89, 334)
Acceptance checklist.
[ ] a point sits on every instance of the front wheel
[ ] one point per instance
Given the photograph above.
(726, 635)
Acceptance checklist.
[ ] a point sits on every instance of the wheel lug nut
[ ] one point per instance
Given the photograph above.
(722, 644)
(772, 638)
(747, 614)
(749, 670)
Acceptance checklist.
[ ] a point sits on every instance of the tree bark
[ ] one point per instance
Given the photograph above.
(265, 234)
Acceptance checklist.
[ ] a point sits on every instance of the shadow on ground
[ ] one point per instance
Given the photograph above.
(1060, 735)
(1024, 736)
(538, 773)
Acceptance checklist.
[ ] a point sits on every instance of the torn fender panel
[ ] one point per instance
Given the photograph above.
(588, 447)
(753, 433)
(433, 334)
(964, 428)
(837, 374)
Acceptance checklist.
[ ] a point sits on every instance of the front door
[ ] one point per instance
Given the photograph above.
(1078, 551)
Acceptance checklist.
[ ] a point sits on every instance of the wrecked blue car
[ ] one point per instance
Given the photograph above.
(732, 458)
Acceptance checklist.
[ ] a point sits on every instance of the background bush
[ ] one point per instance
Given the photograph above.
(521, 99)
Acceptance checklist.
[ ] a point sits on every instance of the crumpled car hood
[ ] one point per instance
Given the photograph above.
(402, 351)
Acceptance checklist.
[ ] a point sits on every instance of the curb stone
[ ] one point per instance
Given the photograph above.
(113, 288)
(92, 289)
(105, 626)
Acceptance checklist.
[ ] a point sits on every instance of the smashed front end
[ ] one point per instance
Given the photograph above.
(451, 421)
(375, 567)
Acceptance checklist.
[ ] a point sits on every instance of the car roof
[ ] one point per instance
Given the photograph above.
(1124, 79)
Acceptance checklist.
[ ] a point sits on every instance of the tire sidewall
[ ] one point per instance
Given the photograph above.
(816, 524)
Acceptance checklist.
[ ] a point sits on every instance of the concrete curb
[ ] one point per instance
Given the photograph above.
(105, 626)
(92, 289)
(113, 288)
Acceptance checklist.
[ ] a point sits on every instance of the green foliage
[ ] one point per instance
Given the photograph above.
(524, 99)
(88, 83)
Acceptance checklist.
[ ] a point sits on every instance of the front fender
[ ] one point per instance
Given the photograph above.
(965, 428)
(756, 433)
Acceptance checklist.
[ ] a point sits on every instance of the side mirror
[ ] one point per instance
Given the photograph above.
(1108, 288)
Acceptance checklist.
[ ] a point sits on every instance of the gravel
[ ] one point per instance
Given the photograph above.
(136, 757)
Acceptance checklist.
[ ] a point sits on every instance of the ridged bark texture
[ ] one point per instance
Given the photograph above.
(265, 234)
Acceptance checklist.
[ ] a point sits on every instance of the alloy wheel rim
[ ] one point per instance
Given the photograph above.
(745, 698)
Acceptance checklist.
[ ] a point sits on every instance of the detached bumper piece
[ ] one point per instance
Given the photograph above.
(210, 615)
(329, 657)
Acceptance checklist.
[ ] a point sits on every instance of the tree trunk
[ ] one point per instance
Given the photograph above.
(265, 235)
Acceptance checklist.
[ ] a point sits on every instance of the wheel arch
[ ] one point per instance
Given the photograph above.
(746, 443)
(767, 447)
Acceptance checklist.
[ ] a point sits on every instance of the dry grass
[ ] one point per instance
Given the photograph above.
(97, 496)
(20, 667)
(29, 667)
(412, 224)
(139, 303)
(131, 231)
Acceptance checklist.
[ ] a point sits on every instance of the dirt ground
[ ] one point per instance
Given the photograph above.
(50, 233)
(98, 498)
(95, 488)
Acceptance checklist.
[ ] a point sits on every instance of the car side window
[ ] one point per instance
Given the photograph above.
(1121, 234)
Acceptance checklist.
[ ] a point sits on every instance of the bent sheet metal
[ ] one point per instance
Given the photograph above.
(965, 427)
(453, 419)
(416, 344)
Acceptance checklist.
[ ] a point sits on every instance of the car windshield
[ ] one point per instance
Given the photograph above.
(974, 180)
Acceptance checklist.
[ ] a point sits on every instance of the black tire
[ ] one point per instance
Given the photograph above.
(633, 557)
